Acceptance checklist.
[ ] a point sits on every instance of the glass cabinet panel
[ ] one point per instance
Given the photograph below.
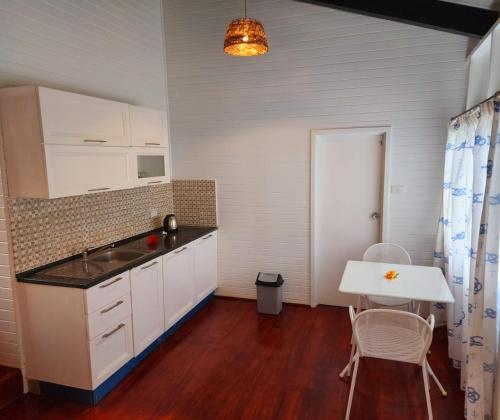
(150, 166)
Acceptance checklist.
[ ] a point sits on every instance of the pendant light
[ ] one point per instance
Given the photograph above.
(245, 37)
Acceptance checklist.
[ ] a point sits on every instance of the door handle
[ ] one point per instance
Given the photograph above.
(145, 267)
(180, 250)
(119, 327)
(94, 141)
(375, 216)
(112, 307)
(110, 283)
(98, 189)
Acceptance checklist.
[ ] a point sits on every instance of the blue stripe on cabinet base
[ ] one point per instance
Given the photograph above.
(93, 397)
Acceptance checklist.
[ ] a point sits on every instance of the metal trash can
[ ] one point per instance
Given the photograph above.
(269, 293)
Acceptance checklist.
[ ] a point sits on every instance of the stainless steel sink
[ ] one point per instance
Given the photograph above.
(116, 256)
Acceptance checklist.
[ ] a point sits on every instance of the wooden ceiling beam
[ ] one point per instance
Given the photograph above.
(434, 14)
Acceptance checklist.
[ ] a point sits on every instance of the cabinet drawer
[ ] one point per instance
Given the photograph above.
(109, 315)
(110, 351)
(107, 292)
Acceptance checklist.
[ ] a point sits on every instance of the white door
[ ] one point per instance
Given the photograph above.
(68, 118)
(205, 266)
(76, 170)
(348, 170)
(148, 127)
(146, 283)
(178, 274)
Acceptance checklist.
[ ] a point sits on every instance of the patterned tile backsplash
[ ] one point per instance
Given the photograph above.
(195, 202)
(44, 231)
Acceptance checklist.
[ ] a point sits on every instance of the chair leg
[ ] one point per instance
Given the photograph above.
(353, 384)
(347, 369)
(426, 387)
(433, 375)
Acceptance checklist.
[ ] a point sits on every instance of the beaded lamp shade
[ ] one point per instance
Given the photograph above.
(245, 37)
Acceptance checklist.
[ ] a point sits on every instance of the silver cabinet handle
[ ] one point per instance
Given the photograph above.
(110, 283)
(99, 189)
(119, 327)
(154, 182)
(180, 250)
(150, 265)
(112, 307)
(150, 143)
(206, 237)
(94, 141)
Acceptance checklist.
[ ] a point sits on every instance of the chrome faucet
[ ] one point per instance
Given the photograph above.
(95, 249)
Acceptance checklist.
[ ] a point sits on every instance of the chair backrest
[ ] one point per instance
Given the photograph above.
(392, 335)
(387, 253)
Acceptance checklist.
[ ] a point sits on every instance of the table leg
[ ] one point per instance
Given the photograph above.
(347, 369)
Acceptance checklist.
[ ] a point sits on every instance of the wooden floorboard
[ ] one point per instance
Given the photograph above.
(11, 385)
(228, 362)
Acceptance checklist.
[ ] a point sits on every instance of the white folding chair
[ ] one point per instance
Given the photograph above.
(393, 335)
(395, 254)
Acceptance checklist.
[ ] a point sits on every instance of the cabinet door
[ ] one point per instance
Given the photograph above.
(75, 170)
(68, 118)
(147, 303)
(178, 274)
(150, 166)
(110, 351)
(148, 127)
(205, 266)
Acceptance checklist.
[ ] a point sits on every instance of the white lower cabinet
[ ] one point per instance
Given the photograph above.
(205, 266)
(178, 275)
(110, 351)
(80, 337)
(147, 303)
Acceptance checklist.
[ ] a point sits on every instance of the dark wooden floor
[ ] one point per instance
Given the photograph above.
(11, 385)
(230, 363)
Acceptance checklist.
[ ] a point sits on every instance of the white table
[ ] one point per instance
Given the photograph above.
(414, 282)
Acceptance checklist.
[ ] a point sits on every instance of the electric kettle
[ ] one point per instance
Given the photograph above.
(170, 223)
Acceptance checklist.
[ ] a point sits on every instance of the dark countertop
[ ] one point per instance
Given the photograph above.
(75, 272)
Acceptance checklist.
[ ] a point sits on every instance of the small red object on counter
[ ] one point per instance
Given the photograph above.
(152, 241)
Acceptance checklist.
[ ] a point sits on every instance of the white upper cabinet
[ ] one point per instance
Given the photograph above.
(80, 170)
(58, 144)
(149, 165)
(68, 118)
(148, 127)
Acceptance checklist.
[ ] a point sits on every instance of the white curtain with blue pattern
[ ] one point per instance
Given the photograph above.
(467, 249)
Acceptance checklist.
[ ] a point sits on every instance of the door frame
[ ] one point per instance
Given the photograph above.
(385, 133)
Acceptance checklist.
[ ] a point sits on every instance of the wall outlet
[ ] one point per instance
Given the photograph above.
(153, 213)
(398, 189)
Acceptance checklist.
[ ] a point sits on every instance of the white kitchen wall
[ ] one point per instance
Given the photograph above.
(9, 348)
(112, 49)
(246, 122)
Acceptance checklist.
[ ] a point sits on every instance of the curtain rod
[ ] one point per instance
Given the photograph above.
(475, 106)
